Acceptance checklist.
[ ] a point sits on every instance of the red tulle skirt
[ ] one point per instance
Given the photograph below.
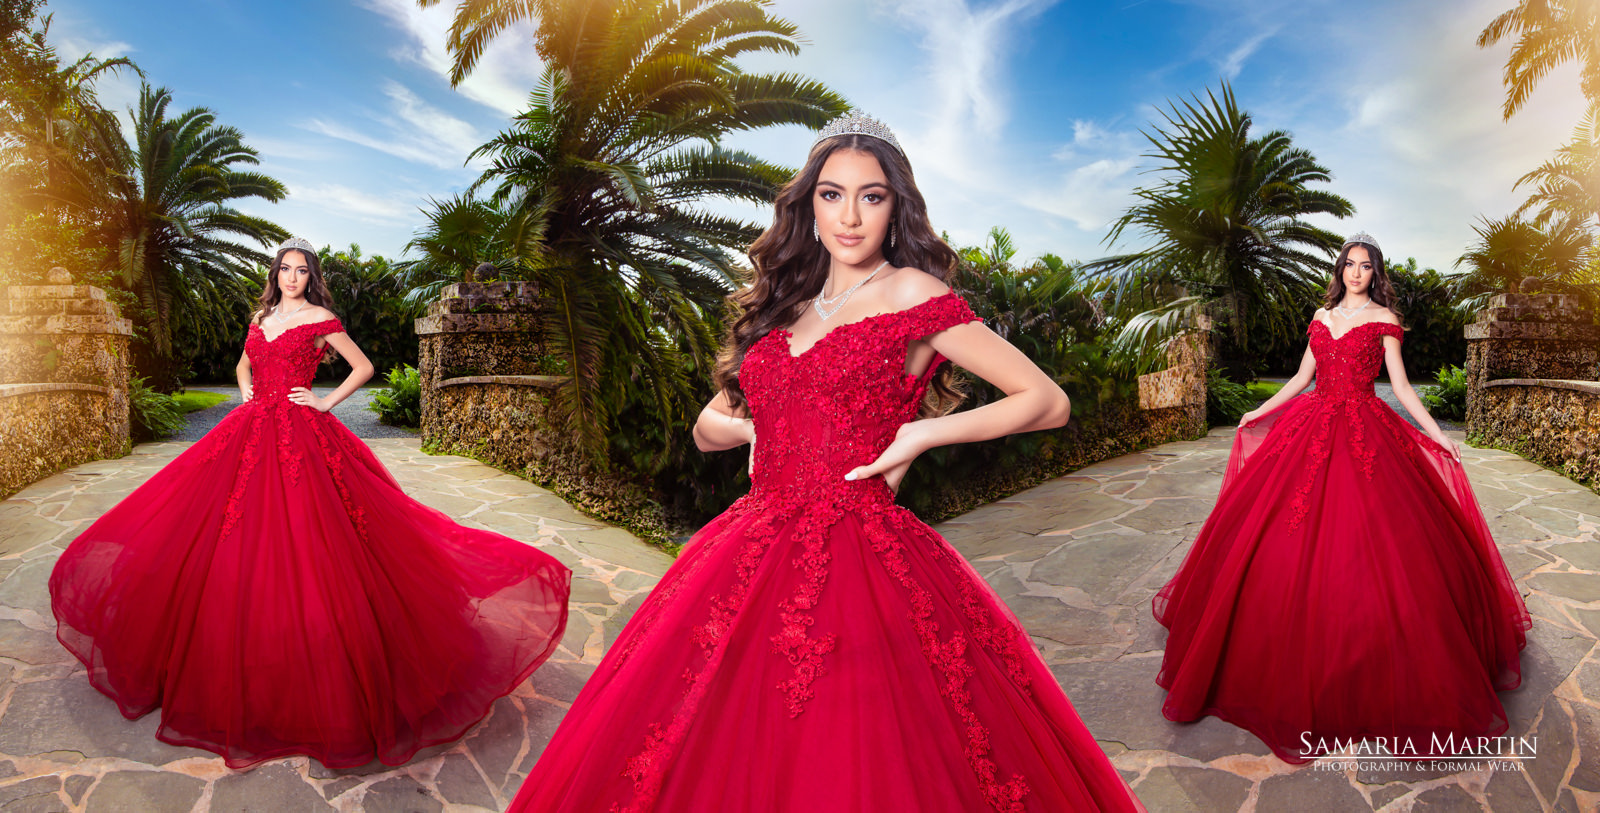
(822, 658)
(1345, 587)
(274, 592)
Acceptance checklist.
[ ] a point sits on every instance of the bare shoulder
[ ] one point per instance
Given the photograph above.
(317, 313)
(1321, 312)
(910, 287)
(1387, 317)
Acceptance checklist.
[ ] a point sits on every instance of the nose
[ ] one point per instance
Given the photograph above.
(850, 215)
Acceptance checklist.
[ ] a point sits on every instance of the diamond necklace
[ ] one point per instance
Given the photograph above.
(1348, 313)
(285, 317)
(820, 301)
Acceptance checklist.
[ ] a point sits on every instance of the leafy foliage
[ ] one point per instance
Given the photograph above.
(400, 403)
(1435, 327)
(1227, 233)
(1510, 250)
(1226, 401)
(372, 302)
(153, 415)
(1448, 400)
(1545, 34)
(593, 191)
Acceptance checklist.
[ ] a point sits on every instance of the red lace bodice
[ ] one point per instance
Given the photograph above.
(1347, 365)
(837, 405)
(287, 361)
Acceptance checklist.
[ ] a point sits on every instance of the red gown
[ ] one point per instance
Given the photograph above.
(274, 592)
(1346, 585)
(816, 647)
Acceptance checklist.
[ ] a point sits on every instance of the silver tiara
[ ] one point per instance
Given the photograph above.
(299, 243)
(856, 122)
(1362, 238)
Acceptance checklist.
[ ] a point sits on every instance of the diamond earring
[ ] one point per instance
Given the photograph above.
(891, 235)
(815, 234)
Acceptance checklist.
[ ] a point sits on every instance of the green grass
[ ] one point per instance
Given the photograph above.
(1262, 390)
(191, 401)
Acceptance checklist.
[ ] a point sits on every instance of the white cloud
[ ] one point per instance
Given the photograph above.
(1234, 61)
(413, 130)
(356, 204)
(507, 70)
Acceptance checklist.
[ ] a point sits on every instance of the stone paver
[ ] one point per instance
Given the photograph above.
(1104, 551)
(63, 746)
(1077, 558)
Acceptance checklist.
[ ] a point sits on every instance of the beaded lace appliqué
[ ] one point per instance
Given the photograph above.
(819, 414)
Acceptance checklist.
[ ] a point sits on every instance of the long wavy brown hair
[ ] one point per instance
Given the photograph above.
(791, 266)
(316, 290)
(1380, 289)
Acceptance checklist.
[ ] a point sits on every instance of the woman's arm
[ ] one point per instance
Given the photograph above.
(1291, 388)
(360, 371)
(1407, 396)
(719, 428)
(1032, 402)
(242, 372)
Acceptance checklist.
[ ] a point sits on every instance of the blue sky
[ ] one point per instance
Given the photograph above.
(1018, 113)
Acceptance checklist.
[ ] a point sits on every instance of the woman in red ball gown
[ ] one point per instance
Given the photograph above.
(273, 590)
(1345, 587)
(816, 648)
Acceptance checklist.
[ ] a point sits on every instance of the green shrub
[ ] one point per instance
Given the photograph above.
(1226, 401)
(154, 415)
(1449, 399)
(400, 403)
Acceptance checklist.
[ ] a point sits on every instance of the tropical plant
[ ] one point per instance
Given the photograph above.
(603, 174)
(168, 216)
(1434, 325)
(1567, 187)
(1547, 34)
(462, 234)
(400, 403)
(1226, 231)
(1510, 250)
(1448, 400)
(371, 300)
(153, 415)
(1226, 401)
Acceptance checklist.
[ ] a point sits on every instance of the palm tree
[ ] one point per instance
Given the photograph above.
(1226, 230)
(1548, 33)
(1567, 187)
(602, 174)
(169, 220)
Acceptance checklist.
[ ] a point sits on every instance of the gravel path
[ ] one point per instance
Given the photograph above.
(352, 412)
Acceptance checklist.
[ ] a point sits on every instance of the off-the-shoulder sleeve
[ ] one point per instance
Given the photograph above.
(1392, 330)
(939, 313)
(327, 326)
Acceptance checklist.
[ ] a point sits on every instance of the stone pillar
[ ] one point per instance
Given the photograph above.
(486, 380)
(64, 367)
(1532, 364)
(1525, 337)
(1175, 398)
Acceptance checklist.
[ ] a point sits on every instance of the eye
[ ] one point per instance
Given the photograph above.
(828, 195)
(873, 197)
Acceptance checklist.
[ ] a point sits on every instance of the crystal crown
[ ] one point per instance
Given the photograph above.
(1362, 238)
(300, 243)
(856, 122)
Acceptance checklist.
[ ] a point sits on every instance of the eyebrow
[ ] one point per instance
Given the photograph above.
(874, 184)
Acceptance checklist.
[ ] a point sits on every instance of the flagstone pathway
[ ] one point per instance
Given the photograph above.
(1077, 558)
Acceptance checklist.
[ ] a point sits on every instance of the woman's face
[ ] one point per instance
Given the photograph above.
(1357, 270)
(294, 274)
(853, 204)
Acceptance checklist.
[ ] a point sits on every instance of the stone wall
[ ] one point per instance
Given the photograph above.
(1532, 365)
(486, 385)
(1173, 401)
(64, 368)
